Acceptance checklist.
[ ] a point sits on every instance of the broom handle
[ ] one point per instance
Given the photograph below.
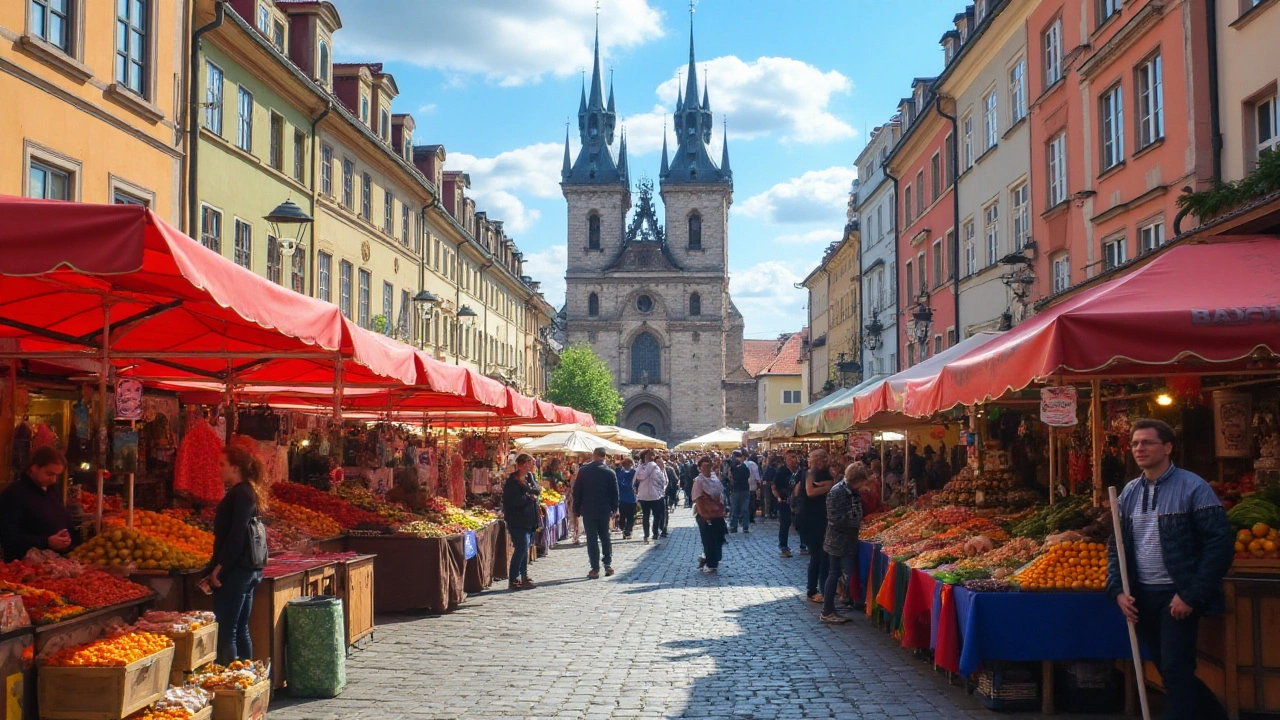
(1139, 675)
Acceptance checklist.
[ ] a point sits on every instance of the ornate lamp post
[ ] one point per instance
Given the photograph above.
(425, 302)
(466, 316)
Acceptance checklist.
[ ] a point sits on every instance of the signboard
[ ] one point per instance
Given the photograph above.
(1232, 419)
(1058, 406)
(860, 443)
(128, 400)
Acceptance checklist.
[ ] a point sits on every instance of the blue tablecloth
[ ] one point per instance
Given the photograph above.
(469, 543)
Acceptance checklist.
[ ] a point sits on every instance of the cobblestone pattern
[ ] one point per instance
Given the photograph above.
(658, 640)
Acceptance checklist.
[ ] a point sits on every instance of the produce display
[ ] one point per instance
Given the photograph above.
(239, 675)
(362, 497)
(125, 547)
(70, 583)
(1073, 513)
(196, 466)
(989, 585)
(551, 497)
(42, 606)
(89, 501)
(172, 531)
(173, 623)
(112, 651)
(317, 525)
(1259, 541)
(190, 698)
(1067, 566)
(992, 489)
(340, 511)
(96, 589)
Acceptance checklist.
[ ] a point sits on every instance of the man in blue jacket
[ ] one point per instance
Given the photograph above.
(1178, 545)
(595, 495)
(626, 498)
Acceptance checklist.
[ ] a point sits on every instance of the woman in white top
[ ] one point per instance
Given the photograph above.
(651, 488)
(708, 503)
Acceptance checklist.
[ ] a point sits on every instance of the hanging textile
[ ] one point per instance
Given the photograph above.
(197, 464)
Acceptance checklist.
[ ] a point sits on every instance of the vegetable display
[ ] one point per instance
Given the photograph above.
(1253, 511)
(125, 547)
(317, 525)
(339, 510)
(111, 652)
(172, 531)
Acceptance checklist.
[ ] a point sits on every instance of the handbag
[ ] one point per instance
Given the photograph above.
(257, 543)
(710, 508)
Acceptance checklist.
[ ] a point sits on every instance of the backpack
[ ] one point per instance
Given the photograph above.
(257, 543)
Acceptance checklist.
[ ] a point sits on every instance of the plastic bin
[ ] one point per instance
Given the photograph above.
(315, 646)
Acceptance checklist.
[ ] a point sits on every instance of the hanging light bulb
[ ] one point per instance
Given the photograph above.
(1164, 399)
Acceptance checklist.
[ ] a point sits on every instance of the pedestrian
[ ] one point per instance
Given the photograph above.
(651, 487)
(739, 494)
(627, 498)
(571, 509)
(768, 507)
(753, 466)
(520, 497)
(709, 510)
(235, 568)
(811, 520)
(1179, 546)
(688, 471)
(784, 478)
(595, 495)
(844, 520)
(673, 492)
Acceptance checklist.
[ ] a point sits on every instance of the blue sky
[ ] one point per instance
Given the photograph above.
(800, 82)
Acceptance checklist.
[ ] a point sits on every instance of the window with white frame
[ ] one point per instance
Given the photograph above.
(264, 20)
(324, 63)
(275, 155)
(388, 213)
(275, 264)
(991, 225)
(911, 282)
(1056, 152)
(277, 35)
(970, 248)
(966, 151)
(1052, 44)
(348, 183)
(1111, 110)
(366, 197)
(324, 274)
(211, 228)
(937, 344)
(132, 30)
(1021, 215)
(299, 154)
(1150, 101)
(1018, 91)
(213, 79)
(906, 204)
(949, 158)
(1114, 253)
(790, 397)
(937, 263)
(1107, 8)
(1266, 125)
(1151, 236)
(243, 254)
(384, 129)
(326, 170)
(404, 224)
(364, 109)
(45, 182)
(244, 119)
(344, 287)
(920, 193)
(1061, 273)
(297, 272)
(923, 272)
(388, 303)
(51, 22)
(991, 119)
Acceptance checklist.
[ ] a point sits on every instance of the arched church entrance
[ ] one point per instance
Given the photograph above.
(647, 415)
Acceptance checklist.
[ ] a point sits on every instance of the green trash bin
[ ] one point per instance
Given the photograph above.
(316, 648)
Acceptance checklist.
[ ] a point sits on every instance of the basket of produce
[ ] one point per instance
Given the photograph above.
(241, 690)
(194, 635)
(1009, 687)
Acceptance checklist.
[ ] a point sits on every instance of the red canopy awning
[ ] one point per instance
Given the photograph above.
(1212, 306)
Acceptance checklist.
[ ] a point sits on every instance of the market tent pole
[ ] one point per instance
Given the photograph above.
(133, 425)
(103, 372)
(1139, 673)
(1053, 465)
(1095, 432)
(337, 407)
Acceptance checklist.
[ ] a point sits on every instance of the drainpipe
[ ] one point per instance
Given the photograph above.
(954, 250)
(899, 324)
(422, 272)
(315, 196)
(193, 117)
(1215, 114)
(484, 349)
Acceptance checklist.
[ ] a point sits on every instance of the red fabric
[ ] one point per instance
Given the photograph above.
(584, 419)
(520, 405)
(546, 411)
(441, 376)
(885, 598)
(947, 654)
(917, 611)
(1215, 302)
(566, 414)
(487, 390)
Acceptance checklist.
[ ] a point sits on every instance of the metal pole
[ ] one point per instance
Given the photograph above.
(1096, 431)
(133, 425)
(103, 374)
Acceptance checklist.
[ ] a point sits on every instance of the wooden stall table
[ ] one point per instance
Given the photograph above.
(413, 573)
(170, 586)
(501, 550)
(17, 677)
(355, 589)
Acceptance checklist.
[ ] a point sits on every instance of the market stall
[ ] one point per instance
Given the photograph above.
(722, 439)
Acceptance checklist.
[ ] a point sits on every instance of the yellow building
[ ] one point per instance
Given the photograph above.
(92, 102)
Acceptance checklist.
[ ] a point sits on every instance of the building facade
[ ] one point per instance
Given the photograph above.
(876, 210)
(1249, 126)
(780, 391)
(834, 358)
(817, 356)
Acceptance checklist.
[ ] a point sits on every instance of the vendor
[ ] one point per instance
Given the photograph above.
(31, 511)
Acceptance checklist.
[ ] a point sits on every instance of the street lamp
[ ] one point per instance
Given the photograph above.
(287, 222)
(466, 316)
(424, 301)
(873, 331)
(923, 316)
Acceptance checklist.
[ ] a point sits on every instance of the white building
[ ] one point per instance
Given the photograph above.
(875, 209)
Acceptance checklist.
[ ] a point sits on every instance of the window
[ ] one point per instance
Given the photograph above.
(1021, 216)
(344, 288)
(211, 228)
(47, 183)
(937, 263)
(935, 177)
(695, 231)
(276, 154)
(967, 126)
(326, 170)
(388, 213)
(937, 344)
(1151, 236)
(1057, 160)
(348, 180)
(790, 397)
(1266, 126)
(991, 219)
(911, 282)
(970, 249)
(1111, 109)
(991, 120)
(906, 204)
(366, 197)
(1052, 42)
(1061, 274)
(593, 305)
(950, 159)
(1150, 102)
(1107, 8)
(920, 193)
(695, 304)
(388, 305)
(951, 337)
(1113, 253)
(365, 281)
(364, 109)
(405, 224)
(277, 35)
(298, 272)
(892, 217)
(131, 45)
(1018, 92)
(646, 360)
(244, 244)
(274, 264)
(244, 122)
(385, 128)
(923, 273)
(51, 22)
(324, 62)
(213, 98)
(299, 154)
(324, 268)
(402, 324)
(264, 20)
(644, 304)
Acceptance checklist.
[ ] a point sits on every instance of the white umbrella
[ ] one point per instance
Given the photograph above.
(576, 442)
(722, 439)
(630, 438)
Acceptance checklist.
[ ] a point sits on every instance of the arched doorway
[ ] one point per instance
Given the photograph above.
(646, 414)
(645, 428)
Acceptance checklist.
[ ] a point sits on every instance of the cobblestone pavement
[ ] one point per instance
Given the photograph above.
(658, 640)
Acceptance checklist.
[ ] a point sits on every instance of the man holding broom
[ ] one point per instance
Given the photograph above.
(1178, 545)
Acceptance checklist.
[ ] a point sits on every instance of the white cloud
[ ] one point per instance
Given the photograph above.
(511, 42)
(548, 267)
(814, 237)
(818, 196)
(427, 109)
(767, 296)
(496, 182)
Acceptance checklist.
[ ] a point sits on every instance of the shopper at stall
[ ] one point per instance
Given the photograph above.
(520, 498)
(31, 511)
(595, 495)
(627, 497)
(1179, 546)
(575, 527)
(811, 520)
(739, 494)
(785, 477)
(844, 520)
(673, 491)
(709, 511)
(753, 466)
(651, 487)
(239, 552)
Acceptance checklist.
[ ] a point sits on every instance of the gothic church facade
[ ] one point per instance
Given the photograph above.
(652, 302)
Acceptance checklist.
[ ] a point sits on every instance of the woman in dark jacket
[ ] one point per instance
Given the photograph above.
(232, 573)
(520, 498)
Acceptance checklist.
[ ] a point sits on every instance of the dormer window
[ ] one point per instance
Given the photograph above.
(324, 63)
(364, 109)
(385, 131)
(277, 35)
(264, 20)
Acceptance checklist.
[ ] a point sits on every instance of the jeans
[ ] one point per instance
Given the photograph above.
(688, 494)
(521, 538)
(817, 561)
(598, 538)
(837, 566)
(784, 526)
(712, 533)
(627, 518)
(655, 510)
(739, 509)
(232, 604)
(1172, 644)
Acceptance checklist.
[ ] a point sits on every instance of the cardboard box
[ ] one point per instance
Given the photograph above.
(90, 693)
(248, 704)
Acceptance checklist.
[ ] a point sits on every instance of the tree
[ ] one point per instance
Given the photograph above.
(583, 382)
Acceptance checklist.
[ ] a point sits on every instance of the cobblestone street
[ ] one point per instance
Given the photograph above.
(658, 640)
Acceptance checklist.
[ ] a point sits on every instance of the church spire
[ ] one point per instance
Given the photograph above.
(706, 100)
(692, 162)
(596, 100)
(691, 88)
(567, 169)
(611, 107)
(622, 157)
(724, 153)
(666, 165)
(597, 118)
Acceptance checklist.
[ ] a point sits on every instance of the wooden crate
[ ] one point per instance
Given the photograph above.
(355, 588)
(195, 649)
(205, 714)
(76, 693)
(322, 581)
(249, 704)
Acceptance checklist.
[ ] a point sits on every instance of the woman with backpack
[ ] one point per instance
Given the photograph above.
(239, 552)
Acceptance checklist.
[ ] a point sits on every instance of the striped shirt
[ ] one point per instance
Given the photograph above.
(1149, 500)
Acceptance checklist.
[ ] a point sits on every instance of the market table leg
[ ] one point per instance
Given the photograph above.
(1046, 701)
(1130, 690)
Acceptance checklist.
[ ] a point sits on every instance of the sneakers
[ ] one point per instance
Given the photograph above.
(834, 619)
(608, 572)
(713, 570)
(593, 575)
(746, 531)
(514, 585)
(784, 553)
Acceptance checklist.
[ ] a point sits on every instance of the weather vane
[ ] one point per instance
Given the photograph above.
(692, 4)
